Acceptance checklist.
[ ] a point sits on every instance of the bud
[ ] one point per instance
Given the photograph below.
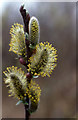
(22, 61)
(28, 75)
(34, 32)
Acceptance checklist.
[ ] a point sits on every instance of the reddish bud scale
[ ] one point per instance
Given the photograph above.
(29, 75)
(22, 61)
(27, 17)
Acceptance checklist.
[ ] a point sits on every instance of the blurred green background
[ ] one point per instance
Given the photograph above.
(57, 26)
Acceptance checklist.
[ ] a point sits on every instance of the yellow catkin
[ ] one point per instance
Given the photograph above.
(16, 81)
(17, 43)
(34, 91)
(34, 30)
(43, 65)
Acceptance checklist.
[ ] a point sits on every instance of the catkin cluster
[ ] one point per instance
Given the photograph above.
(41, 62)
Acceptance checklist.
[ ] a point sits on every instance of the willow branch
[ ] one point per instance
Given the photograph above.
(26, 18)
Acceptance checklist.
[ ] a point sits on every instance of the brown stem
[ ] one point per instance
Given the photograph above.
(29, 53)
(26, 18)
(27, 114)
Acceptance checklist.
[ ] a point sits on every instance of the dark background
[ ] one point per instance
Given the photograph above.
(57, 26)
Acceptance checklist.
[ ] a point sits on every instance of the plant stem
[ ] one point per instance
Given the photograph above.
(26, 18)
(27, 114)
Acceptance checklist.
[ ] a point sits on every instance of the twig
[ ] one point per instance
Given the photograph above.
(26, 18)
